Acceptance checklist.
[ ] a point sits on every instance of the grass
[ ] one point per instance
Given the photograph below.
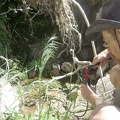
(36, 90)
(33, 92)
(49, 52)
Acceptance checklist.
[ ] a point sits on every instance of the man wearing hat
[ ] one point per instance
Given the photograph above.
(108, 25)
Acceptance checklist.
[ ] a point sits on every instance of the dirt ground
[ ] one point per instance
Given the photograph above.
(59, 100)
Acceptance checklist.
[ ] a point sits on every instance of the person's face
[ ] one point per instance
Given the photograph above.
(110, 40)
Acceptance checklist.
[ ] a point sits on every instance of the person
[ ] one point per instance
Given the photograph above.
(108, 25)
(102, 110)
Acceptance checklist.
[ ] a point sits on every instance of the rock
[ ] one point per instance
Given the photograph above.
(56, 70)
(66, 67)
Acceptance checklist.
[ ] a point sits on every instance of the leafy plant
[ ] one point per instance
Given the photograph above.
(48, 52)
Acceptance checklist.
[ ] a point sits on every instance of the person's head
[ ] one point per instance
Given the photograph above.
(107, 23)
(111, 38)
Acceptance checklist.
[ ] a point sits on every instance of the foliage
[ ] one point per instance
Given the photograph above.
(48, 52)
(20, 28)
(23, 26)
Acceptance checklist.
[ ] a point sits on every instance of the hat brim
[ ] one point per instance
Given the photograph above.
(94, 31)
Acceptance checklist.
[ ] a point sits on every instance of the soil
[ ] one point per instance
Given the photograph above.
(60, 99)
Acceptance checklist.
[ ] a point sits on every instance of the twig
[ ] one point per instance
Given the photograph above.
(92, 42)
(76, 61)
(81, 65)
(100, 69)
(6, 61)
(82, 11)
(68, 74)
(61, 53)
(15, 10)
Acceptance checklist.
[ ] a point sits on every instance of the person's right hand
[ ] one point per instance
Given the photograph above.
(101, 58)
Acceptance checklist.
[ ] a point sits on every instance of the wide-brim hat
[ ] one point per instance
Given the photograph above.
(109, 19)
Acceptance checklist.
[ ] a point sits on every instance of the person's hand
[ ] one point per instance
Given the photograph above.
(101, 58)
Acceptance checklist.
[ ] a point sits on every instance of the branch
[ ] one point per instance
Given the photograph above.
(82, 11)
(68, 74)
(92, 42)
(15, 10)
(76, 61)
